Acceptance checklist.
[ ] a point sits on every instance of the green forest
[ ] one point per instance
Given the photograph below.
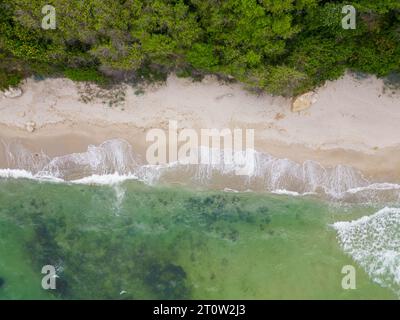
(284, 47)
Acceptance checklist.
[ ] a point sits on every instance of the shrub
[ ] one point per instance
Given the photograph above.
(90, 75)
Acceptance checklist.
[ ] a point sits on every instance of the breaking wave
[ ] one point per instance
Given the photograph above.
(114, 161)
(374, 243)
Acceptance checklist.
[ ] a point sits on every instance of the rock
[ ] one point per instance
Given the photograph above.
(21, 114)
(30, 126)
(304, 101)
(12, 93)
(314, 98)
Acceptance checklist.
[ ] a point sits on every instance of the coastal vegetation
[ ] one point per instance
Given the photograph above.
(284, 47)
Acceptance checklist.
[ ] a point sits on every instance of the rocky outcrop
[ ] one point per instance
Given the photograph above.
(12, 93)
(30, 126)
(304, 101)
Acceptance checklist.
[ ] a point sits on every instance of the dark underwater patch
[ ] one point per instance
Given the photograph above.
(167, 281)
(102, 255)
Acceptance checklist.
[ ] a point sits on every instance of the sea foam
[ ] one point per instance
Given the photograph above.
(374, 243)
(114, 161)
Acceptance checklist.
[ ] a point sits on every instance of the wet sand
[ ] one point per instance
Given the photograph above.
(354, 122)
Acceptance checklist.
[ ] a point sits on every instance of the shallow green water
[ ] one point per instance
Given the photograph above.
(169, 243)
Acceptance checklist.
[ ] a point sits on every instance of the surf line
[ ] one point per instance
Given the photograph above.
(200, 150)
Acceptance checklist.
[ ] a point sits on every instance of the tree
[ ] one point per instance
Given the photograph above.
(258, 42)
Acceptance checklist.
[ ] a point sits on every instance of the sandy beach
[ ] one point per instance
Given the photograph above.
(353, 122)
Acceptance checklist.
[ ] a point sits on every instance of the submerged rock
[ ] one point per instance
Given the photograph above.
(168, 281)
(2, 281)
(304, 101)
(12, 93)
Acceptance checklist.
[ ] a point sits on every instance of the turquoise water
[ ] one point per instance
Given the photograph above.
(135, 241)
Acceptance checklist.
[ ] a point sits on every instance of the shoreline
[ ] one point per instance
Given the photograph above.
(345, 126)
(59, 139)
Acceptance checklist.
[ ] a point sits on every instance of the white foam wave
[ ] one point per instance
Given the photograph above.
(286, 192)
(376, 187)
(230, 190)
(24, 174)
(374, 242)
(114, 162)
(15, 173)
(107, 179)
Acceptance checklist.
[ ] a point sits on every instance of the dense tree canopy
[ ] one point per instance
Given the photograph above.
(283, 46)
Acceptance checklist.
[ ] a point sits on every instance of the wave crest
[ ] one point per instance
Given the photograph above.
(374, 242)
(114, 161)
